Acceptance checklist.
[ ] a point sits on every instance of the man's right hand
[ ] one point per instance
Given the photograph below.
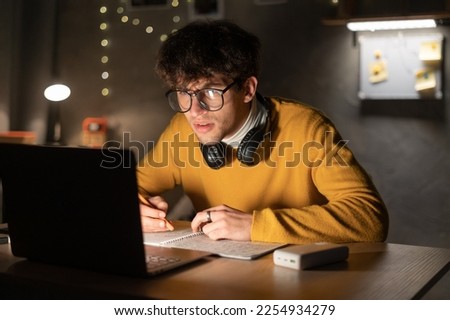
(153, 214)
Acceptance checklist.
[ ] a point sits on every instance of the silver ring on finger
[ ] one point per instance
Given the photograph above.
(208, 217)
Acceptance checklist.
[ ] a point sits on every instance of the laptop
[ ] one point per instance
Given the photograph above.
(79, 207)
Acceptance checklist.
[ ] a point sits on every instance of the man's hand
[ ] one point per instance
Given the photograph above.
(153, 214)
(225, 223)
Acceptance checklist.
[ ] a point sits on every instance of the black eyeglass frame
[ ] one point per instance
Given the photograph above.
(191, 94)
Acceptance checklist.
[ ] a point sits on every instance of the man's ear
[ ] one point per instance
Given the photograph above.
(249, 89)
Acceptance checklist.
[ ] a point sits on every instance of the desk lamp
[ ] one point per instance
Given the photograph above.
(54, 94)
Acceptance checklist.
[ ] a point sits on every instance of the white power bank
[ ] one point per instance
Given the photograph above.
(310, 255)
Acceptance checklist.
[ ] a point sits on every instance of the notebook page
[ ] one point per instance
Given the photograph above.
(246, 250)
(158, 238)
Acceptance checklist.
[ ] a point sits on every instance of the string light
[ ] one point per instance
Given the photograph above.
(105, 42)
(149, 29)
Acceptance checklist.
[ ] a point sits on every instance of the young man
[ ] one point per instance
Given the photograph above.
(255, 168)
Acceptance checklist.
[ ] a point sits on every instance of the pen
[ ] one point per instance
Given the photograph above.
(169, 224)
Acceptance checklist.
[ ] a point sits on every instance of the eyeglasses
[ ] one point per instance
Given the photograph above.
(209, 99)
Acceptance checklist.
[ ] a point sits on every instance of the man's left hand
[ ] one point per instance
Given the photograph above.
(224, 223)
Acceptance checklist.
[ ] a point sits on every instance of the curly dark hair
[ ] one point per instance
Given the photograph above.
(206, 48)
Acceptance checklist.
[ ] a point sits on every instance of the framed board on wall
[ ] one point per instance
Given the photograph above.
(401, 66)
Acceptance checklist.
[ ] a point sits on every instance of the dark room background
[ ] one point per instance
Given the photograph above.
(404, 145)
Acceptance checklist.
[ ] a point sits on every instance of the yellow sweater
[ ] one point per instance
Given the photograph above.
(308, 187)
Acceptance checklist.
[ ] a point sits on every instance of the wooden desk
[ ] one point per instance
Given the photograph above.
(373, 271)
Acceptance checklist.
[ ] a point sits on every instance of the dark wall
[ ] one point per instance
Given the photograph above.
(405, 148)
(6, 27)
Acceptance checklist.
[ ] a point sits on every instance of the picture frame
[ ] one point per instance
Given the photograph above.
(147, 4)
(206, 9)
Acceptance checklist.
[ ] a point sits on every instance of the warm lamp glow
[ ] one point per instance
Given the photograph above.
(391, 25)
(57, 92)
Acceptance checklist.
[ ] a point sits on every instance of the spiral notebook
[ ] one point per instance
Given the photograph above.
(183, 237)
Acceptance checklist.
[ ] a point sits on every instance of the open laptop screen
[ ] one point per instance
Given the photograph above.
(73, 206)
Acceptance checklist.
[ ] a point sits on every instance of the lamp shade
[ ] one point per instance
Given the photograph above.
(57, 92)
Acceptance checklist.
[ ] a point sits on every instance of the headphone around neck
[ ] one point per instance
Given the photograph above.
(215, 155)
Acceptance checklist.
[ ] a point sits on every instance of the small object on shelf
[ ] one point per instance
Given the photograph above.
(26, 137)
(94, 132)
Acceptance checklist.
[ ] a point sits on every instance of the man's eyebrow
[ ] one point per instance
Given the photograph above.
(208, 85)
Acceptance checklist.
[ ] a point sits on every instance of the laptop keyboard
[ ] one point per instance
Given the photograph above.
(155, 262)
